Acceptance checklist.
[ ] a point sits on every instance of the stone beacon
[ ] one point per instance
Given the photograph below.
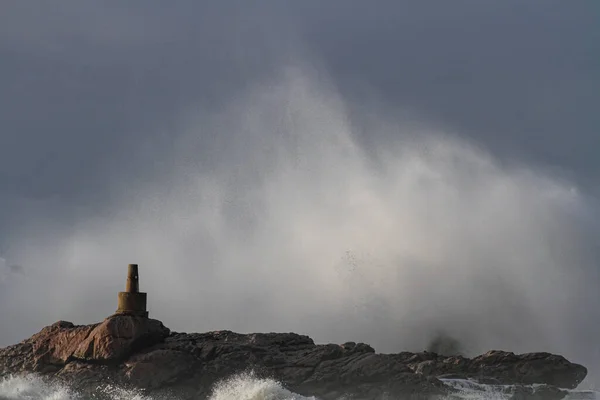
(131, 301)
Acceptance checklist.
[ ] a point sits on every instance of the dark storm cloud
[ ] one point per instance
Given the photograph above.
(521, 77)
(82, 83)
(81, 80)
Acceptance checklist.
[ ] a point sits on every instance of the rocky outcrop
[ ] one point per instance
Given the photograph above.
(502, 367)
(61, 343)
(141, 352)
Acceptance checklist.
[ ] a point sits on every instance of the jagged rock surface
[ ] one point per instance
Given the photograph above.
(142, 352)
(502, 367)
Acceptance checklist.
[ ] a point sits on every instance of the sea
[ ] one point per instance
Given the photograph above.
(241, 387)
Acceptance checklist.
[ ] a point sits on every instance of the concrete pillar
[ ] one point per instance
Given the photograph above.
(131, 301)
(133, 280)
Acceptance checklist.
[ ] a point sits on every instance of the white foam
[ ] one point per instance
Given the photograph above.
(119, 393)
(249, 387)
(33, 388)
(240, 387)
(470, 390)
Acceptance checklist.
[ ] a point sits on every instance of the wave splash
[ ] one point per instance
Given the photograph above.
(33, 388)
(240, 387)
(469, 390)
(248, 387)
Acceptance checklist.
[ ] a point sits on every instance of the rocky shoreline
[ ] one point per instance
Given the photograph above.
(139, 352)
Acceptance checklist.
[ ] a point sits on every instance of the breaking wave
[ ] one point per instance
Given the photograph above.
(240, 387)
(33, 388)
(469, 390)
(248, 387)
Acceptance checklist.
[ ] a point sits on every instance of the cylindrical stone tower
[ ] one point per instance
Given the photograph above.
(131, 301)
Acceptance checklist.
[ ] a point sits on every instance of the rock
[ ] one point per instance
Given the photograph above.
(504, 367)
(141, 352)
(531, 368)
(118, 337)
(56, 345)
(159, 368)
(544, 392)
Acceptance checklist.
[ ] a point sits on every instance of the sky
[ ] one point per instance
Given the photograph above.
(375, 172)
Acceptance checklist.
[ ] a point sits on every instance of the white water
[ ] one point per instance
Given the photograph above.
(33, 388)
(241, 387)
(248, 387)
(470, 390)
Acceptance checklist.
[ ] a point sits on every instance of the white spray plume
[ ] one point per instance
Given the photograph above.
(294, 226)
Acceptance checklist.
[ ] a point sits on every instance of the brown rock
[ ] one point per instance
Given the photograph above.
(56, 343)
(118, 337)
(159, 368)
(107, 342)
(140, 352)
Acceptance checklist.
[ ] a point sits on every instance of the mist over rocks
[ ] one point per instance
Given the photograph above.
(446, 345)
(390, 243)
(140, 352)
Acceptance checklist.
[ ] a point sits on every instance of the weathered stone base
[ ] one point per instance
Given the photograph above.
(132, 304)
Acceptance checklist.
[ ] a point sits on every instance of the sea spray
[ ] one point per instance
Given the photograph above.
(33, 387)
(470, 390)
(114, 392)
(239, 387)
(247, 386)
